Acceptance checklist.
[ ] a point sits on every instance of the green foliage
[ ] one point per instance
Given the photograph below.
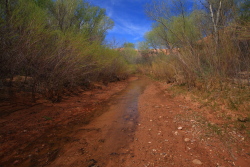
(243, 10)
(185, 29)
(57, 44)
(80, 16)
(176, 32)
(128, 45)
(130, 55)
(155, 38)
(44, 4)
(213, 49)
(143, 46)
(161, 67)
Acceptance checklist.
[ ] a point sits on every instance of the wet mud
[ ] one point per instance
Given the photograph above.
(107, 137)
(137, 122)
(39, 135)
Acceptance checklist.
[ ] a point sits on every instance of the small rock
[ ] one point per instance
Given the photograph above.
(197, 162)
(151, 120)
(149, 142)
(186, 139)
(154, 150)
(176, 133)
(24, 131)
(180, 128)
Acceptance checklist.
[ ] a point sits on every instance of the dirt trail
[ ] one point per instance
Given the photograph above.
(108, 136)
(142, 125)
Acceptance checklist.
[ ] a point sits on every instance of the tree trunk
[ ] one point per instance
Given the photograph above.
(215, 20)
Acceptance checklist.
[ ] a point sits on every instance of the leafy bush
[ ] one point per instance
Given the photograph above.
(56, 43)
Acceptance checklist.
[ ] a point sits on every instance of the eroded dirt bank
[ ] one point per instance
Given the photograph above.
(135, 123)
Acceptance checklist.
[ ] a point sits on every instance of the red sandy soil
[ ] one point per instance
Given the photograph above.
(137, 122)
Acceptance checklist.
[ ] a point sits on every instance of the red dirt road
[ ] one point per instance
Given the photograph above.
(135, 123)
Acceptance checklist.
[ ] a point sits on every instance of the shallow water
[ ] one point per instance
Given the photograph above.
(118, 124)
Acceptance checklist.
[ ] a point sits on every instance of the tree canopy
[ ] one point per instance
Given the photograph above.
(57, 43)
(128, 45)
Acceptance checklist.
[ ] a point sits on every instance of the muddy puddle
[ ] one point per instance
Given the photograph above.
(97, 138)
(105, 140)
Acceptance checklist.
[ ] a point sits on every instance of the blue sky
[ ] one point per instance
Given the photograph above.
(131, 22)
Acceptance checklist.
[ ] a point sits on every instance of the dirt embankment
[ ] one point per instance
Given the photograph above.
(132, 123)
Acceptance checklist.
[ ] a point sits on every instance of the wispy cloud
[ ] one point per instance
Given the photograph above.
(130, 21)
(124, 26)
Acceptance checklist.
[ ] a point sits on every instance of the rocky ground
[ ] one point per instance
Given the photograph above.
(138, 122)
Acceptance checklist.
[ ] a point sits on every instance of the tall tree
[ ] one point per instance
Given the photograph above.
(83, 18)
(165, 13)
(243, 10)
(221, 13)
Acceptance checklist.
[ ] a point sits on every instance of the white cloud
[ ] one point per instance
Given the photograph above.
(125, 23)
(124, 26)
(109, 5)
